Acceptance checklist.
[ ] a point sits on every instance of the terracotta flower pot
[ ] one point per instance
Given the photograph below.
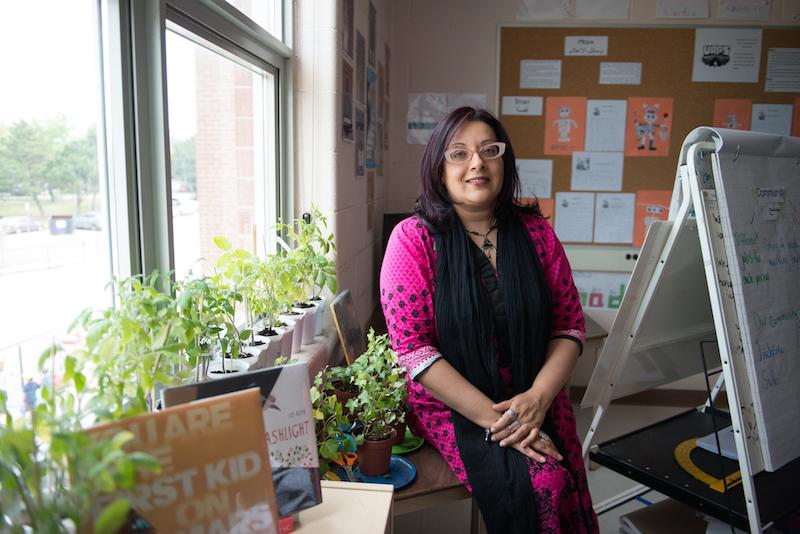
(343, 396)
(374, 456)
(400, 433)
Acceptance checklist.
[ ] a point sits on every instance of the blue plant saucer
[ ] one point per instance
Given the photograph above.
(401, 473)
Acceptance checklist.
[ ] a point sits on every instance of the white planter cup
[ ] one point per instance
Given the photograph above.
(252, 354)
(288, 338)
(309, 323)
(272, 351)
(232, 366)
(297, 336)
(322, 305)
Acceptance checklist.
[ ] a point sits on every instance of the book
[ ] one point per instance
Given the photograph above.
(208, 481)
(289, 424)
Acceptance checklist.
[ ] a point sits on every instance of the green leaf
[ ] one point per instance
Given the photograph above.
(222, 242)
(112, 517)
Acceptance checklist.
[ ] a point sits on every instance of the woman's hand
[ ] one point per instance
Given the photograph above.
(540, 445)
(524, 429)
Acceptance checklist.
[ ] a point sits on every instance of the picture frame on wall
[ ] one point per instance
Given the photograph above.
(361, 149)
(348, 133)
(347, 27)
(361, 69)
(373, 16)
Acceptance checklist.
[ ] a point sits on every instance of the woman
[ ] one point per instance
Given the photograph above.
(482, 311)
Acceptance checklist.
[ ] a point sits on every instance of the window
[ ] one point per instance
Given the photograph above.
(266, 13)
(55, 258)
(223, 152)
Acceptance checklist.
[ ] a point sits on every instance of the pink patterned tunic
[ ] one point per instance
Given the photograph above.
(407, 286)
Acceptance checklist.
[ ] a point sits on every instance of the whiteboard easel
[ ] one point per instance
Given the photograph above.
(695, 223)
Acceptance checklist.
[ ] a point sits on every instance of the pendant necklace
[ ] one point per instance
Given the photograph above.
(487, 247)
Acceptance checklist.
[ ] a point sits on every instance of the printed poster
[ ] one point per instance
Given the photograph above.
(543, 9)
(605, 125)
(200, 463)
(574, 217)
(772, 118)
(361, 72)
(565, 124)
(613, 219)
(425, 110)
(649, 126)
(726, 55)
(388, 56)
(381, 81)
(596, 171)
(733, 113)
(540, 74)
(386, 114)
(347, 101)
(744, 9)
(347, 28)
(601, 9)
(600, 290)
(783, 70)
(535, 177)
(651, 205)
(682, 9)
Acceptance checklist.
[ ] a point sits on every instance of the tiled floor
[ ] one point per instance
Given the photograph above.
(603, 483)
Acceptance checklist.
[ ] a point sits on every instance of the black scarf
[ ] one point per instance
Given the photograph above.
(467, 325)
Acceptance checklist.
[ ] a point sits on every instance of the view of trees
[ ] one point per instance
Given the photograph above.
(46, 159)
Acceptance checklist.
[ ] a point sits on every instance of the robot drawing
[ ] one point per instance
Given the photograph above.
(564, 124)
(646, 131)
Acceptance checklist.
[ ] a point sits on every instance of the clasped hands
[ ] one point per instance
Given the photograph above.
(519, 426)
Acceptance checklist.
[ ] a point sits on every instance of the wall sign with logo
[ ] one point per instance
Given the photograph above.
(726, 55)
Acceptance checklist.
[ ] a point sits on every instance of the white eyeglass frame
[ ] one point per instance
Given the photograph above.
(499, 144)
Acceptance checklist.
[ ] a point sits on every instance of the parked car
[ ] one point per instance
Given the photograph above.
(87, 221)
(19, 223)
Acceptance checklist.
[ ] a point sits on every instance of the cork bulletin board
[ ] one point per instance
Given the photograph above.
(666, 55)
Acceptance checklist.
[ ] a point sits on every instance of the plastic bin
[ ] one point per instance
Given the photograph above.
(61, 224)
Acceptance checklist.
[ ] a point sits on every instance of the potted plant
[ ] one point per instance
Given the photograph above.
(329, 421)
(378, 405)
(198, 307)
(323, 266)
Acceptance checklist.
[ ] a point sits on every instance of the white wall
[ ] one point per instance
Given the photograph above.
(324, 162)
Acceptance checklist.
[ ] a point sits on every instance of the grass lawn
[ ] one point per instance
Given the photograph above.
(64, 205)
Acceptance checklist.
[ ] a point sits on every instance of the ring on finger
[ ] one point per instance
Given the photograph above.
(511, 413)
(544, 437)
(514, 426)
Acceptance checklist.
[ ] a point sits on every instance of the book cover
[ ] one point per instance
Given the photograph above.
(208, 481)
(288, 422)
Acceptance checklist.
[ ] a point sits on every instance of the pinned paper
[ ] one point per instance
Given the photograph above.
(613, 221)
(726, 55)
(772, 118)
(522, 105)
(565, 124)
(651, 205)
(596, 171)
(542, 9)
(425, 110)
(535, 177)
(783, 70)
(605, 125)
(540, 74)
(601, 9)
(620, 73)
(682, 9)
(574, 217)
(744, 10)
(649, 126)
(586, 45)
(733, 113)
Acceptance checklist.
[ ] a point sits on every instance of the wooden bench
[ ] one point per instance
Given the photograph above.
(435, 485)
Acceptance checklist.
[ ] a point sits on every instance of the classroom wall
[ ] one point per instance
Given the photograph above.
(451, 46)
(324, 162)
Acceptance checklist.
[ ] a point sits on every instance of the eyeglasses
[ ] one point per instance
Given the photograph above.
(462, 155)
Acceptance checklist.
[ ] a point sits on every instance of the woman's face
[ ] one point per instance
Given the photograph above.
(475, 183)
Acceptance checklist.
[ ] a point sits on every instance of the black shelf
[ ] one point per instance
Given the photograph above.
(648, 457)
